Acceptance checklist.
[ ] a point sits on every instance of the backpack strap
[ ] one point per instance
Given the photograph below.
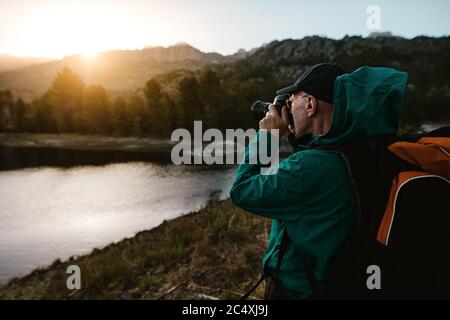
(313, 283)
(284, 242)
(247, 294)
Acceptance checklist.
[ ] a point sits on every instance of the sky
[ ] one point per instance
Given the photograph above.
(57, 28)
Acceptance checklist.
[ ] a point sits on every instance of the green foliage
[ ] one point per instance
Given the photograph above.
(156, 110)
(14, 114)
(95, 114)
(156, 113)
(6, 110)
(123, 119)
(65, 98)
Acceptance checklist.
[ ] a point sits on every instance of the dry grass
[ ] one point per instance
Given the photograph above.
(216, 251)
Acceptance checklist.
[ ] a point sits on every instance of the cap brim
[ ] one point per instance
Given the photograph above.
(290, 89)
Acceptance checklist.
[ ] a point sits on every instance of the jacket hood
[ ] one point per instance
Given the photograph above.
(367, 103)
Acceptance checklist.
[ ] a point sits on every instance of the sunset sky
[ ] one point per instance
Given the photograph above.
(56, 28)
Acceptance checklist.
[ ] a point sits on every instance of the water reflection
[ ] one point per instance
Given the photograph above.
(51, 213)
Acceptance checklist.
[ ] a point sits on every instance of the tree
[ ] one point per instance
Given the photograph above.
(65, 97)
(190, 107)
(20, 110)
(214, 99)
(136, 105)
(124, 117)
(43, 115)
(160, 109)
(152, 114)
(6, 111)
(96, 110)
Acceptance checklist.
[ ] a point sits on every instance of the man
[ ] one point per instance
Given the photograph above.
(311, 197)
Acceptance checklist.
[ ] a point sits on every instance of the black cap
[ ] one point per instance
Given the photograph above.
(317, 81)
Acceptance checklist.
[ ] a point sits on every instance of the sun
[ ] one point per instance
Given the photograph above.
(89, 54)
(81, 28)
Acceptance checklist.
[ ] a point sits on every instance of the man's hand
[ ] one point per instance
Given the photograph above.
(273, 121)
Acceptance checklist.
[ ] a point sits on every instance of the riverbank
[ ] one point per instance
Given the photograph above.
(76, 141)
(215, 252)
(28, 150)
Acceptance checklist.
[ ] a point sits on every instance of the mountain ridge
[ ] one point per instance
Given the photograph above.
(426, 58)
(115, 69)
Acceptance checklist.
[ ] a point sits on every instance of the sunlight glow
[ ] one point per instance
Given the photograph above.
(86, 30)
(88, 54)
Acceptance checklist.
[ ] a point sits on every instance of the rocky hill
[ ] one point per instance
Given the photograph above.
(279, 63)
(115, 70)
(426, 59)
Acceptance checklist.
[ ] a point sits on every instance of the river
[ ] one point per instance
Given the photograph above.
(50, 213)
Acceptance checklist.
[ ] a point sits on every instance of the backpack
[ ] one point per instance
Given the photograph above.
(399, 242)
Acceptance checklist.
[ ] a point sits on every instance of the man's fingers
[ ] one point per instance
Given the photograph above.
(273, 110)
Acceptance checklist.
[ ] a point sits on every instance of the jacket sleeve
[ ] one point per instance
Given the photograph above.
(276, 196)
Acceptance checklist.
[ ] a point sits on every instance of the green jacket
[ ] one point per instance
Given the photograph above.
(311, 195)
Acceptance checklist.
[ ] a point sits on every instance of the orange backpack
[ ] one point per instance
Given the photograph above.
(402, 230)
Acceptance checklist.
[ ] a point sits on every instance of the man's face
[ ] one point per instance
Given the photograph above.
(299, 102)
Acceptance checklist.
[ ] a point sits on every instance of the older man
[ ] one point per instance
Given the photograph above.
(311, 197)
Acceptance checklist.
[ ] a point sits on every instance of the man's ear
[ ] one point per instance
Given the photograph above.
(311, 106)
